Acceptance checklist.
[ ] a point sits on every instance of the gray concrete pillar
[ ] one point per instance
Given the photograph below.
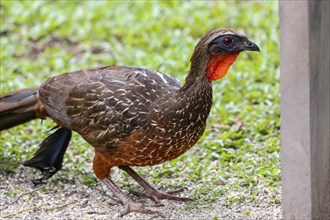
(305, 109)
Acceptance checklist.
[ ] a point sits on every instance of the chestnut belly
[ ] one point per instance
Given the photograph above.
(142, 150)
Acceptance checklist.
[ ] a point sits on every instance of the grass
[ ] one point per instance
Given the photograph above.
(238, 155)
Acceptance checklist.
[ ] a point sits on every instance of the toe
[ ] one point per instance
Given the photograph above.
(177, 191)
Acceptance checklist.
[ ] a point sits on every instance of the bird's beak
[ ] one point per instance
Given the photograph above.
(247, 45)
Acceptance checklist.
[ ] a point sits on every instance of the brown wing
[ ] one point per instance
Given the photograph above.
(105, 104)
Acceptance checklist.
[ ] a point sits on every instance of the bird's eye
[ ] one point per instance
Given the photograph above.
(227, 41)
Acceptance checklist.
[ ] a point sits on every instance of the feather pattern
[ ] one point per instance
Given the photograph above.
(127, 109)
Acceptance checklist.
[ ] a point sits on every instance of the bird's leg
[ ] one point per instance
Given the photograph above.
(151, 191)
(102, 169)
(129, 204)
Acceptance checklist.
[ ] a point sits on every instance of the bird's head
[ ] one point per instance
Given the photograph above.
(217, 51)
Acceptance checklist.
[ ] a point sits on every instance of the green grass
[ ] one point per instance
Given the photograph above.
(238, 155)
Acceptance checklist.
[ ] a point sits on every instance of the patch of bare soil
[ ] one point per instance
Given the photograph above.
(73, 200)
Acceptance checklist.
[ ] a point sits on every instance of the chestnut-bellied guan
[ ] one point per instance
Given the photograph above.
(131, 116)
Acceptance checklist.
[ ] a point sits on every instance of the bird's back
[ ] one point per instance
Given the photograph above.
(105, 103)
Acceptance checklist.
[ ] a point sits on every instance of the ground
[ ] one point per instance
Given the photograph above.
(232, 172)
(73, 200)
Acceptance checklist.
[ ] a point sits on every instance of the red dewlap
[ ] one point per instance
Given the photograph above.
(219, 65)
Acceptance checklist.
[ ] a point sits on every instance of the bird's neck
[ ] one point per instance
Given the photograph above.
(210, 67)
(197, 91)
(196, 98)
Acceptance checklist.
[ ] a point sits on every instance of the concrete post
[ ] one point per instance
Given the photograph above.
(305, 109)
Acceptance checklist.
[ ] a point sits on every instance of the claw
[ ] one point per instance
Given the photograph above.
(155, 200)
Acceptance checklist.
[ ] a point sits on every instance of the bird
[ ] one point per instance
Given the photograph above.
(131, 116)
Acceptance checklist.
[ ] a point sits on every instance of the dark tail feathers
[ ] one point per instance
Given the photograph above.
(48, 159)
(18, 107)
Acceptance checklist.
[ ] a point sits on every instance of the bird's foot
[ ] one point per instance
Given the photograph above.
(156, 195)
(152, 192)
(136, 207)
(128, 203)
